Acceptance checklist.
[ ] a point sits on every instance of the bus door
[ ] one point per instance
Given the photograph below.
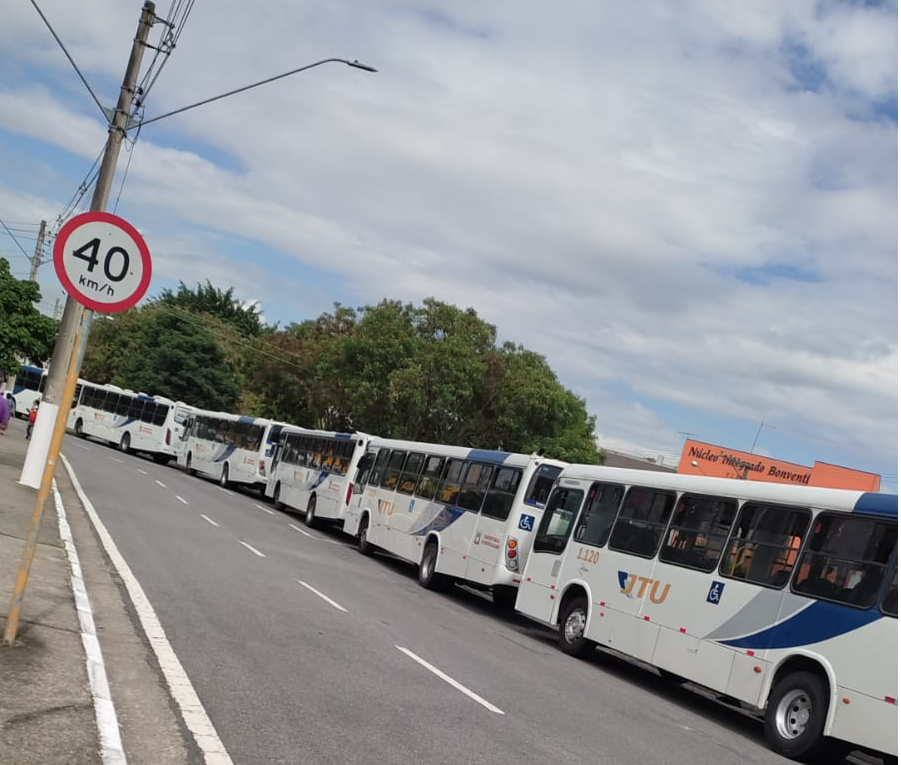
(489, 495)
(538, 591)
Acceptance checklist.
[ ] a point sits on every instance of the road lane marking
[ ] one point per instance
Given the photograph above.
(208, 520)
(252, 549)
(116, 459)
(326, 598)
(297, 528)
(192, 709)
(82, 446)
(183, 501)
(142, 472)
(160, 482)
(230, 493)
(450, 681)
(271, 512)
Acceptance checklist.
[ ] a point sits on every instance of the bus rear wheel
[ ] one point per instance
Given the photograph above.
(796, 715)
(363, 544)
(276, 497)
(223, 476)
(188, 469)
(428, 575)
(310, 517)
(79, 428)
(571, 636)
(125, 443)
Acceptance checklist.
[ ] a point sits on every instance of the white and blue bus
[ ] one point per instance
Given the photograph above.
(128, 420)
(312, 472)
(231, 448)
(27, 388)
(783, 599)
(459, 514)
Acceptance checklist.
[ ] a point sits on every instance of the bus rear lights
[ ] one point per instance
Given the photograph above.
(262, 467)
(168, 437)
(511, 553)
(350, 491)
(511, 543)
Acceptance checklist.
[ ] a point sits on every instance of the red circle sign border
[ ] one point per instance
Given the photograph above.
(59, 247)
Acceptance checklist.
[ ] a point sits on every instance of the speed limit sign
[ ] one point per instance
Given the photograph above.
(102, 261)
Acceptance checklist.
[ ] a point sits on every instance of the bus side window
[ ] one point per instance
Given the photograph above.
(541, 484)
(375, 477)
(645, 514)
(698, 531)
(600, 512)
(499, 499)
(890, 600)
(410, 474)
(762, 543)
(557, 520)
(450, 485)
(846, 559)
(431, 476)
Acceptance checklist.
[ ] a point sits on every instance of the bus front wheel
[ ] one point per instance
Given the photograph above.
(796, 715)
(363, 544)
(276, 497)
(79, 428)
(188, 469)
(310, 518)
(125, 443)
(223, 476)
(571, 637)
(428, 575)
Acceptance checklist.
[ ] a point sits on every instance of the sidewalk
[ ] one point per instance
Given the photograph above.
(47, 714)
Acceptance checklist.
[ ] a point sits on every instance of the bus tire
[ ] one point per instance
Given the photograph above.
(276, 497)
(79, 428)
(363, 544)
(223, 476)
(504, 597)
(125, 444)
(188, 469)
(571, 634)
(309, 517)
(427, 573)
(796, 715)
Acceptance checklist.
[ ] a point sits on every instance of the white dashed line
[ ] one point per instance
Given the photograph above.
(142, 472)
(160, 483)
(326, 598)
(116, 459)
(252, 549)
(208, 520)
(230, 493)
(82, 446)
(450, 681)
(271, 512)
(297, 528)
(180, 499)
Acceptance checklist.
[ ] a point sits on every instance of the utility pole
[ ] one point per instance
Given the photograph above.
(38, 251)
(63, 370)
(75, 314)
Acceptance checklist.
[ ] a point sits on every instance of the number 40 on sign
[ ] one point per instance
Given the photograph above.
(102, 261)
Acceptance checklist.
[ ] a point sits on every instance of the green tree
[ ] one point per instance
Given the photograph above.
(215, 302)
(25, 333)
(156, 351)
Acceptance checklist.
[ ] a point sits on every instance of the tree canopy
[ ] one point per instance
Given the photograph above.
(431, 373)
(25, 333)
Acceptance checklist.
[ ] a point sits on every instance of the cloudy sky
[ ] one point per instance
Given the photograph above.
(690, 208)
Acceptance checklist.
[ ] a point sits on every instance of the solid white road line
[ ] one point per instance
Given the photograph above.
(271, 512)
(252, 549)
(180, 499)
(111, 751)
(193, 712)
(160, 483)
(326, 598)
(208, 520)
(142, 472)
(447, 679)
(297, 528)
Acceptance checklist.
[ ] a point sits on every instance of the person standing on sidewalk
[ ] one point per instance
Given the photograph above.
(4, 415)
(32, 418)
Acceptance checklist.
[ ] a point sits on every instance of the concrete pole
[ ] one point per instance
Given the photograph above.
(38, 251)
(75, 314)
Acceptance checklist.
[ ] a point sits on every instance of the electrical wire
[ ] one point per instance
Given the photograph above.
(13, 237)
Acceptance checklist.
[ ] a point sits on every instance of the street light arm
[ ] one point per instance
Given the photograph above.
(355, 64)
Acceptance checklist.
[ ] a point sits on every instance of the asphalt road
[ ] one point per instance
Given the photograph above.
(304, 651)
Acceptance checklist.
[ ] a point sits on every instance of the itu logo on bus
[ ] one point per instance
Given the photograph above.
(628, 582)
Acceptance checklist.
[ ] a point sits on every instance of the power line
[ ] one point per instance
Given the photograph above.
(13, 237)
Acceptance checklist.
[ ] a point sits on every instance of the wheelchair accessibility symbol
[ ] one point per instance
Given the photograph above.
(526, 522)
(716, 592)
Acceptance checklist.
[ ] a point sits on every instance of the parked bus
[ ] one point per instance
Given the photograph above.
(460, 514)
(28, 387)
(131, 421)
(312, 470)
(231, 448)
(781, 598)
